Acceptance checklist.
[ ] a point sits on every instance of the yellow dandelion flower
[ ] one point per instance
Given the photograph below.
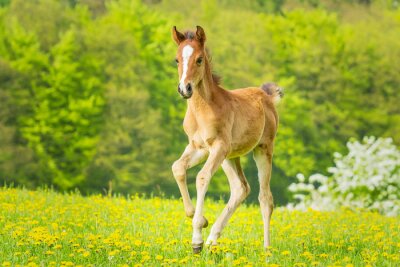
(236, 262)
(346, 259)
(285, 253)
(183, 261)
(113, 252)
(146, 258)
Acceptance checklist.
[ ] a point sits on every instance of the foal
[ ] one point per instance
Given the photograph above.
(222, 126)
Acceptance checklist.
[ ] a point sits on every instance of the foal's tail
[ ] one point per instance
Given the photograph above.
(274, 91)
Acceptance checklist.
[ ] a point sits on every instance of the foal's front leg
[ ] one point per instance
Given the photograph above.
(218, 152)
(190, 157)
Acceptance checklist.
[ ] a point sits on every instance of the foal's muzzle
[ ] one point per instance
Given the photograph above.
(186, 92)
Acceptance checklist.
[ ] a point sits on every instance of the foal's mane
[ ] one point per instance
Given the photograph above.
(216, 78)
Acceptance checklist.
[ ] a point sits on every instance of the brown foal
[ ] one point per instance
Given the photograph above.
(221, 126)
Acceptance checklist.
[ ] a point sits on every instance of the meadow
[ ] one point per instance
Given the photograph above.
(45, 228)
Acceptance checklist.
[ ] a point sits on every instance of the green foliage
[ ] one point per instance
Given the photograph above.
(88, 98)
(63, 102)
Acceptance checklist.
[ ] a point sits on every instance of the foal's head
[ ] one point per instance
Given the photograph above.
(190, 59)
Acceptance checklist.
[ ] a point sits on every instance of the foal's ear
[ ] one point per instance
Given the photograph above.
(177, 36)
(200, 35)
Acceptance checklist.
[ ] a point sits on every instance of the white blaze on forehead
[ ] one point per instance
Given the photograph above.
(187, 52)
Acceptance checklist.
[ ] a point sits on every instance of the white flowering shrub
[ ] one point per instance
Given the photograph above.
(368, 177)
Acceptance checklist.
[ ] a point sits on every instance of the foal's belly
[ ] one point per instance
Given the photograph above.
(246, 137)
(243, 140)
(248, 127)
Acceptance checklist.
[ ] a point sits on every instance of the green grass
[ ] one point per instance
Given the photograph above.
(44, 228)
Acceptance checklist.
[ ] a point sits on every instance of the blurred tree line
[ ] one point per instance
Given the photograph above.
(87, 87)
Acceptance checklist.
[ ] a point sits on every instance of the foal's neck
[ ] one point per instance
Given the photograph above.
(206, 91)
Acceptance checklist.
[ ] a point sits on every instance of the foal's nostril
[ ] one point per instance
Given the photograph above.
(189, 88)
(179, 89)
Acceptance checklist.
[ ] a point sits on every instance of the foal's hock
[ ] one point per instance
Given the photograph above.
(221, 126)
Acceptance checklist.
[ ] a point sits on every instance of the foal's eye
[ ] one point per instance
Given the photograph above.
(177, 61)
(199, 60)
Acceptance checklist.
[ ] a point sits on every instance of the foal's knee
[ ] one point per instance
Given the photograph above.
(179, 171)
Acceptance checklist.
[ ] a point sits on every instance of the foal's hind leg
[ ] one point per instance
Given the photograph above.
(190, 157)
(240, 189)
(263, 158)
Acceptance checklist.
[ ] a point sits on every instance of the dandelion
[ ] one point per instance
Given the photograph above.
(127, 232)
(113, 252)
(285, 253)
(183, 261)
(236, 262)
